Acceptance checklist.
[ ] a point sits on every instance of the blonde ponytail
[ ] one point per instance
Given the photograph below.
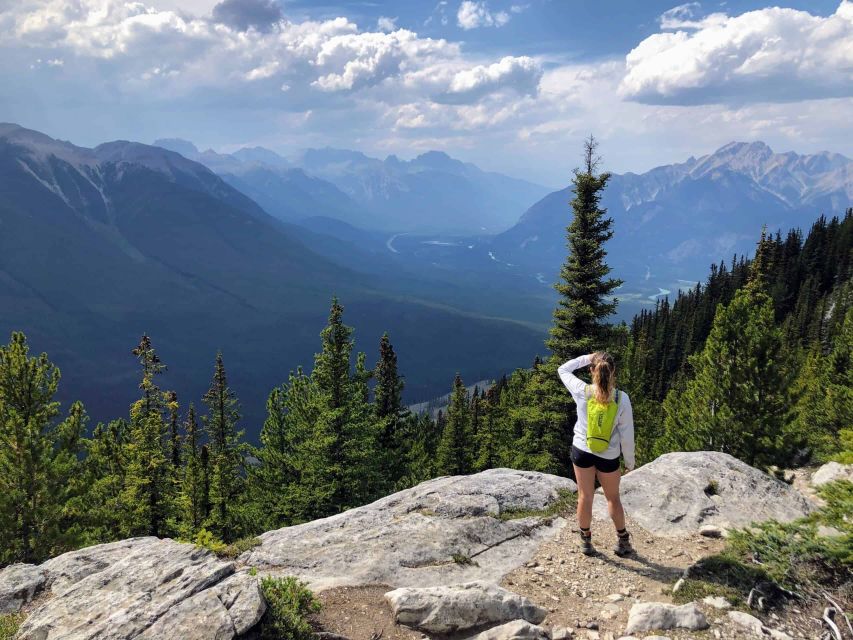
(603, 376)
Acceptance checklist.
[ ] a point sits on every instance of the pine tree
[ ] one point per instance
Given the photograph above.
(226, 456)
(584, 305)
(390, 412)
(192, 498)
(737, 397)
(147, 496)
(454, 449)
(174, 435)
(103, 472)
(67, 484)
(33, 453)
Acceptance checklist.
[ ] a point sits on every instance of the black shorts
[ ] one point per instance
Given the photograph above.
(586, 460)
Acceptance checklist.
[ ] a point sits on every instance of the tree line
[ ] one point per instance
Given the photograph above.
(756, 362)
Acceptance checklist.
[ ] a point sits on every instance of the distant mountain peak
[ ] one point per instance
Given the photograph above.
(178, 145)
(739, 148)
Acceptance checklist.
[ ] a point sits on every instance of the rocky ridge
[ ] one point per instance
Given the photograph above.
(438, 551)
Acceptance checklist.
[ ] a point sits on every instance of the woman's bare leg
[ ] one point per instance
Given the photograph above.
(586, 490)
(610, 484)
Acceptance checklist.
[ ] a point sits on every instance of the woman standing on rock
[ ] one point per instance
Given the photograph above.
(605, 428)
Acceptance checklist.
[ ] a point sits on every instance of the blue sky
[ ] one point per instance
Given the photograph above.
(512, 85)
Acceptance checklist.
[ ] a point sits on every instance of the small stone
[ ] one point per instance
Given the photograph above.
(677, 586)
(828, 532)
(515, 630)
(717, 602)
(592, 625)
(616, 597)
(710, 531)
(610, 611)
(561, 633)
(748, 622)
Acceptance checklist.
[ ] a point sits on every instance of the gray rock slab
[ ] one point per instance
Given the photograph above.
(653, 616)
(832, 471)
(515, 630)
(410, 538)
(201, 617)
(678, 493)
(18, 585)
(241, 596)
(66, 570)
(123, 600)
(460, 607)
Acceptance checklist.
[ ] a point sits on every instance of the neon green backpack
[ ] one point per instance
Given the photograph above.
(600, 418)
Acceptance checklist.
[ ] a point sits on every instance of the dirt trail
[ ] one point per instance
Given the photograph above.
(578, 591)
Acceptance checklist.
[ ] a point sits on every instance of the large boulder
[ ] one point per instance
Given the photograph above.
(460, 607)
(130, 595)
(652, 616)
(832, 471)
(680, 492)
(445, 531)
(18, 584)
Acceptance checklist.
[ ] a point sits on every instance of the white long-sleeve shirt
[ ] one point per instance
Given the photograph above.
(622, 439)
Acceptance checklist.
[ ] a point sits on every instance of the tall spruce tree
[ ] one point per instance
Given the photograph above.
(456, 445)
(104, 470)
(388, 401)
(580, 319)
(192, 497)
(737, 398)
(147, 496)
(227, 479)
(29, 441)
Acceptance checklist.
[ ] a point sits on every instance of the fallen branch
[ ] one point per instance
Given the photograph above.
(827, 618)
(841, 611)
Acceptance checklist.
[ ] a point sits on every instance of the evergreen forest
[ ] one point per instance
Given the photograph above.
(757, 362)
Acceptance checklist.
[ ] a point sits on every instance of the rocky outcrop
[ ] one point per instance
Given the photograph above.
(460, 607)
(150, 582)
(832, 471)
(680, 492)
(445, 531)
(18, 584)
(653, 616)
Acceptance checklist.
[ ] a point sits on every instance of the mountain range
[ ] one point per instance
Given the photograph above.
(431, 193)
(243, 252)
(672, 222)
(100, 245)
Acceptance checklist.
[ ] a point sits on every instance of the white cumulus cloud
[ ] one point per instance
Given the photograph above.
(520, 74)
(474, 14)
(769, 55)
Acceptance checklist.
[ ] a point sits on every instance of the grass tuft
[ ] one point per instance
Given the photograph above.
(9, 624)
(565, 502)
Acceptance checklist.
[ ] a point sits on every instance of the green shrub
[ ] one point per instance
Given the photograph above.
(289, 602)
(9, 624)
(790, 555)
(462, 559)
(207, 540)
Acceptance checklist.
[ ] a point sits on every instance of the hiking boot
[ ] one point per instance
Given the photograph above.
(623, 546)
(586, 543)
